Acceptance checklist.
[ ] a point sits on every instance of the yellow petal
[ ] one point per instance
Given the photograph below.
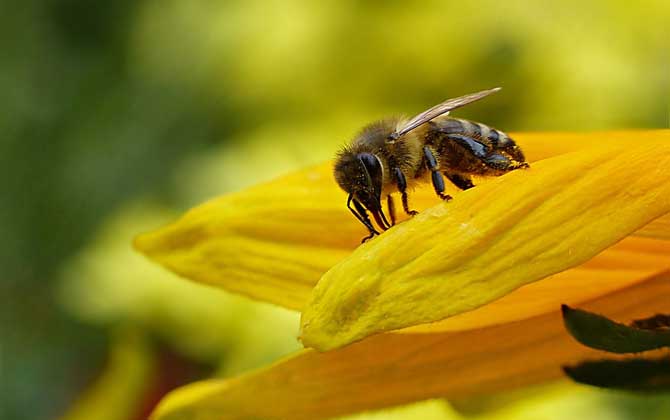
(630, 261)
(488, 241)
(391, 369)
(538, 146)
(274, 241)
(125, 384)
(659, 228)
(271, 242)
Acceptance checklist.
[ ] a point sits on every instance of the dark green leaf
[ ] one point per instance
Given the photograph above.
(598, 332)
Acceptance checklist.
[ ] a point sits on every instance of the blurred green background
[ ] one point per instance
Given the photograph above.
(116, 116)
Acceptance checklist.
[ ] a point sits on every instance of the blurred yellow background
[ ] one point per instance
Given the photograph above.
(118, 115)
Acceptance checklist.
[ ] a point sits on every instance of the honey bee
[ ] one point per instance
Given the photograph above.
(393, 154)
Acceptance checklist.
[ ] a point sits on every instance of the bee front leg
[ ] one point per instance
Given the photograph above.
(438, 180)
(362, 215)
(401, 183)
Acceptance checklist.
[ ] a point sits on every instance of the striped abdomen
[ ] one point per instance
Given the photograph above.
(494, 141)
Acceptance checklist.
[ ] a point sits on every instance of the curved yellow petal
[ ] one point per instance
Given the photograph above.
(488, 241)
(271, 242)
(659, 228)
(543, 145)
(391, 369)
(122, 390)
(274, 241)
(620, 266)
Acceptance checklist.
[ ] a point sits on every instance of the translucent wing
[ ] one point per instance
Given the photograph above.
(440, 109)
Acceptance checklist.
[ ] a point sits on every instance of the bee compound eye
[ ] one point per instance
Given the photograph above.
(372, 169)
(370, 163)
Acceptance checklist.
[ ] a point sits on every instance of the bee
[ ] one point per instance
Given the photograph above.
(394, 154)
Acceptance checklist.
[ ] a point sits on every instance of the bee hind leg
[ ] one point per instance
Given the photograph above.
(438, 180)
(511, 149)
(461, 181)
(401, 183)
(495, 161)
(503, 163)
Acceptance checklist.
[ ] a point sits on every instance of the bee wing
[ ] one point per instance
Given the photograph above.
(440, 109)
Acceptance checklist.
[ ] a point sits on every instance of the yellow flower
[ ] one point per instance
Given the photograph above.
(453, 274)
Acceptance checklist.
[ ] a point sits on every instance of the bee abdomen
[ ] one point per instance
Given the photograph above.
(499, 139)
(492, 139)
(490, 136)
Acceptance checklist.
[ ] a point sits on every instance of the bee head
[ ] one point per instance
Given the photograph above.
(360, 175)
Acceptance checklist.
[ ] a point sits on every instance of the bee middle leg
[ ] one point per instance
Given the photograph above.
(438, 180)
(391, 207)
(401, 183)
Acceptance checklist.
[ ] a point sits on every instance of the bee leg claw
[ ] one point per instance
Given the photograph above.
(405, 206)
(445, 197)
(367, 238)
